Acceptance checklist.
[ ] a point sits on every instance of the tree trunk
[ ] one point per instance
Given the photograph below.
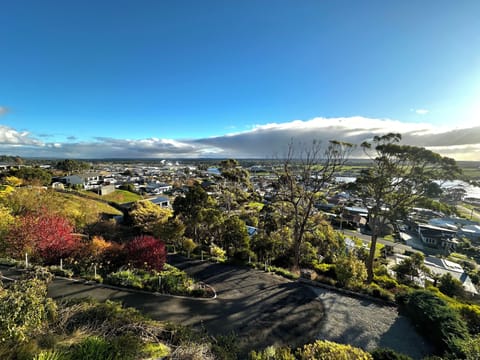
(371, 257)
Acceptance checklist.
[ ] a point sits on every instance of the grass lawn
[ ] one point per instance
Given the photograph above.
(118, 196)
(78, 202)
(465, 211)
(122, 196)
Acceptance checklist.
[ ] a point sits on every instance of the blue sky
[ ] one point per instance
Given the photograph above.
(213, 78)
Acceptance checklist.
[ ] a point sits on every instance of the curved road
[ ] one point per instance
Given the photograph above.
(264, 309)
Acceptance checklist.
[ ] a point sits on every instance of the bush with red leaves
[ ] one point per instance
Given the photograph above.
(146, 252)
(45, 235)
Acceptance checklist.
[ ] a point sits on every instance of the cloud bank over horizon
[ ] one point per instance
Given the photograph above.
(262, 141)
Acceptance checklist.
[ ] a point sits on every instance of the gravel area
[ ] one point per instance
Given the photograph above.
(368, 325)
(264, 309)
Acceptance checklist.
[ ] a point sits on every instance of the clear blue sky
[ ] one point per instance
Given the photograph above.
(174, 69)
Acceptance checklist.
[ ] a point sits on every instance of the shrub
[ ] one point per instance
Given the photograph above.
(325, 270)
(57, 271)
(225, 347)
(44, 234)
(217, 253)
(155, 351)
(92, 348)
(386, 282)
(174, 281)
(188, 245)
(471, 315)
(146, 252)
(49, 355)
(328, 350)
(24, 310)
(451, 286)
(283, 272)
(378, 292)
(273, 353)
(126, 346)
(88, 314)
(435, 319)
(388, 354)
(8, 262)
(350, 271)
(92, 277)
(125, 278)
(470, 348)
(326, 280)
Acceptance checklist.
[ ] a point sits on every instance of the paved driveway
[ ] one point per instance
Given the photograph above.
(265, 309)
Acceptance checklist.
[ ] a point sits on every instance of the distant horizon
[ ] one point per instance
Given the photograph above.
(349, 160)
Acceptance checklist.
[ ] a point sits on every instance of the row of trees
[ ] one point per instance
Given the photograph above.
(291, 231)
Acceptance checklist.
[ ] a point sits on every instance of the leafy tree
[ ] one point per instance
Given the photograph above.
(33, 175)
(329, 243)
(44, 235)
(146, 252)
(172, 231)
(96, 250)
(235, 238)
(231, 170)
(433, 190)
(398, 177)
(451, 286)
(435, 205)
(350, 271)
(410, 268)
(188, 245)
(237, 180)
(69, 165)
(128, 187)
(210, 224)
(146, 215)
(304, 173)
(189, 207)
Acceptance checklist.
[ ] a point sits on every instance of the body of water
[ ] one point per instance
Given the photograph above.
(471, 191)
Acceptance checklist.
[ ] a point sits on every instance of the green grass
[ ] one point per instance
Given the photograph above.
(122, 196)
(254, 205)
(389, 238)
(94, 206)
(118, 196)
(467, 214)
(455, 256)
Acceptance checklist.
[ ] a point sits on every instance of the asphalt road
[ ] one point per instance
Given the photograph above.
(399, 247)
(264, 309)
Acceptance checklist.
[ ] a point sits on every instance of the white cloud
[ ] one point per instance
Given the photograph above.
(421, 111)
(262, 141)
(9, 136)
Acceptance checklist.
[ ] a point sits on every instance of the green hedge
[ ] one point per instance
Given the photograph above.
(169, 281)
(438, 322)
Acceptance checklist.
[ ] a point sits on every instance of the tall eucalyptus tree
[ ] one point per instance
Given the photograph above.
(399, 176)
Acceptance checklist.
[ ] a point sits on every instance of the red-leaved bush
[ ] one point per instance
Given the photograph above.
(146, 252)
(45, 235)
